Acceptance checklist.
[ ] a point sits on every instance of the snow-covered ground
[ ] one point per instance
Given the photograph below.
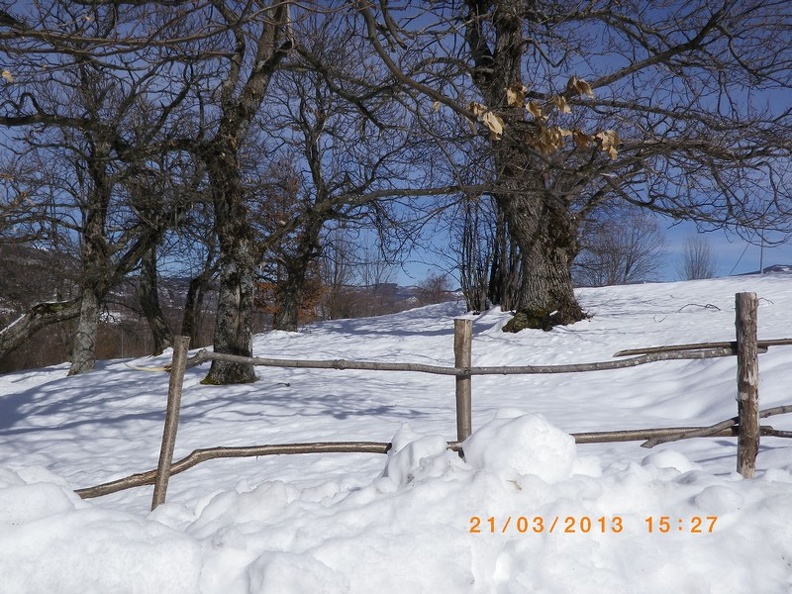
(526, 511)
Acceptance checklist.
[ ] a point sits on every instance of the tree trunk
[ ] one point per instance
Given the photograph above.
(196, 292)
(84, 348)
(192, 309)
(540, 222)
(547, 242)
(236, 238)
(291, 293)
(506, 271)
(97, 271)
(150, 304)
(286, 316)
(233, 333)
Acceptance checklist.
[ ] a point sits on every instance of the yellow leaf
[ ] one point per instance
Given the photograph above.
(495, 125)
(7, 75)
(561, 103)
(579, 86)
(436, 106)
(534, 109)
(515, 95)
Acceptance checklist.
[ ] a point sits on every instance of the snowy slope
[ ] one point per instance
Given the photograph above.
(420, 519)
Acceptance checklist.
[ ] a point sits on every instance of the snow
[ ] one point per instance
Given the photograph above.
(527, 510)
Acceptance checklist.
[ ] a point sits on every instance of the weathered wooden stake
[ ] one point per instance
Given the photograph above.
(180, 346)
(463, 340)
(747, 383)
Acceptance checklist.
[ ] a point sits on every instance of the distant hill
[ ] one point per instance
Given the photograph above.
(774, 269)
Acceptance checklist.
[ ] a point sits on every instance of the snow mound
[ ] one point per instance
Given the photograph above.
(51, 541)
(522, 445)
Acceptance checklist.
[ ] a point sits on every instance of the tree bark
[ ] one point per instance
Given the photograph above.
(506, 271)
(84, 348)
(150, 303)
(193, 304)
(546, 236)
(97, 270)
(233, 333)
(286, 316)
(290, 293)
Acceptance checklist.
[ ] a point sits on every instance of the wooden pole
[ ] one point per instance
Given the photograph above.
(747, 383)
(463, 340)
(179, 364)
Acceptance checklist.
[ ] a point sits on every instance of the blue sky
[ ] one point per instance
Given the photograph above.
(733, 255)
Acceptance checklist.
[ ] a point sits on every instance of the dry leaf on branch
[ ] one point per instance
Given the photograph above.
(561, 103)
(7, 76)
(581, 139)
(478, 109)
(579, 87)
(491, 120)
(495, 125)
(515, 95)
(436, 105)
(549, 139)
(608, 141)
(534, 109)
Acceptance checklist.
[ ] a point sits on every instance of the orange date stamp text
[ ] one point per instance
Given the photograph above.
(589, 524)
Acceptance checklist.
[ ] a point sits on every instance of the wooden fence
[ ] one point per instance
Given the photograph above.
(745, 425)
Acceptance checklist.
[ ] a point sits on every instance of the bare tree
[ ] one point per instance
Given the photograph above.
(607, 101)
(329, 167)
(475, 239)
(489, 264)
(698, 261)
(80, 109)
(621, 248)
(435, 288)
(335, 269)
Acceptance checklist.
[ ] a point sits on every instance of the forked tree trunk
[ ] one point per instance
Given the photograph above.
(286, 316)
(506, 271)
(96, 269)
(290, 294)
(236, 238)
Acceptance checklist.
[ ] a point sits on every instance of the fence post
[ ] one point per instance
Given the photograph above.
(463, 340)
(747, 383)
(178, 365)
